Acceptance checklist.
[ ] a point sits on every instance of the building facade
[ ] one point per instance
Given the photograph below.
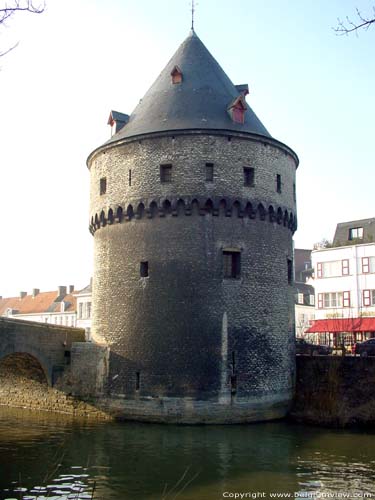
(304, 308)
(344, 282)
(193, 208)
(56, 307)
(84, 309)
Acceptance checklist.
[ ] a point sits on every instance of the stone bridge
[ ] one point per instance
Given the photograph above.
(37, 348)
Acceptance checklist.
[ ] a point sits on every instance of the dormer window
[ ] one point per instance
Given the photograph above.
(176, 75)
(117, 121)
(237, 109)
(355, 233)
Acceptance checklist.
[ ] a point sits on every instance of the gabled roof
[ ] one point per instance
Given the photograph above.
(42, 303)
(200, 101)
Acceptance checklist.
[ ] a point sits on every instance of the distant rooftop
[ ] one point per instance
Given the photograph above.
(355, 232)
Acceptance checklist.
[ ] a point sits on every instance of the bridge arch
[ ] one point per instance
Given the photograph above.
(24, 365)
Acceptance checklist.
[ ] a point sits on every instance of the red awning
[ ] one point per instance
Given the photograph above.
(335, 325)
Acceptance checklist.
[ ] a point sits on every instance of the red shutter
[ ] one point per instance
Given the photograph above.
(365, 265)
(366, 298)
(346, 297)
(320, 301)
(319, 269)
(345, 267)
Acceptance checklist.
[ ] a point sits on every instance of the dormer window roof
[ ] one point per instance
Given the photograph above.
(176, 75)
(117, 121)
(237, 109)
(243, 89)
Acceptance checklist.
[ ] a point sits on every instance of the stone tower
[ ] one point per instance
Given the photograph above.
(193, 208)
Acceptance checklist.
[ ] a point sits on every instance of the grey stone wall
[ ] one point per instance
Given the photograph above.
(185, 331)
(335, 391)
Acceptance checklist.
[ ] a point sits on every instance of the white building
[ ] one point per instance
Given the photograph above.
(304, 308)
(344, 282)
(84, 312)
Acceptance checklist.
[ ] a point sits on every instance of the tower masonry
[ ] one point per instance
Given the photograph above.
(193, 208)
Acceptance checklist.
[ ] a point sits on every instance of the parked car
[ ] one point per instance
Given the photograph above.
(303, 347)
(366, 348)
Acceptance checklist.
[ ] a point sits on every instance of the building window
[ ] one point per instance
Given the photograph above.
(356, 233)
(294, 193)
(300, 298)
(166, 173)
(137, 380)
(278, 183)
(290, 271)
(232, 264)
(369, 297)
(209, 172)
(144, 269)
(88, 309)
(103, 185)
(333, 268)
(368, 265)
(248, 176)
(345, 267)
(333, 300)
(130, 177)
(80, 310)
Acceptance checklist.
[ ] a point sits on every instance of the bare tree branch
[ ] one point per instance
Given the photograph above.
(9, 10)
(348, 26)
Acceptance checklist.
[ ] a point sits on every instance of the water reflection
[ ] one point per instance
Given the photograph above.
(71, 459)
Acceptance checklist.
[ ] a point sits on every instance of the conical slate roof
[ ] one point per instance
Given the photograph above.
(200, 101)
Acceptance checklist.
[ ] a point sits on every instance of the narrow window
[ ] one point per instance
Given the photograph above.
(144, 269)
(80, 310)
(89, 309)
(290, 271)
(346, 297)
(231, 264)
(366, 298)
(248, 176)
(278, 183)
(294, 193)
(166, 173)
(130, 177)
(320, 301)
(137, 380)
(176, 75)
(233, 377)
(365, 265)
(319, 270)
(345, 267)
(103, 185)
(209, 172)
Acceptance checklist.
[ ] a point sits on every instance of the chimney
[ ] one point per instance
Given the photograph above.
(61, 291)
(23, 294)
(71, 289)
(35, 292)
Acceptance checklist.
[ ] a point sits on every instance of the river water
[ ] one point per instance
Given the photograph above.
(56, 457)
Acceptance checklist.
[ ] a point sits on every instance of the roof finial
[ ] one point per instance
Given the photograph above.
(192, 14)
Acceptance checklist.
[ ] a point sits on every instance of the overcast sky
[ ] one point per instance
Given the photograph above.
(312, 90)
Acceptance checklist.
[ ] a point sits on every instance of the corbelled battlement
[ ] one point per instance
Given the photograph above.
(198, 206)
